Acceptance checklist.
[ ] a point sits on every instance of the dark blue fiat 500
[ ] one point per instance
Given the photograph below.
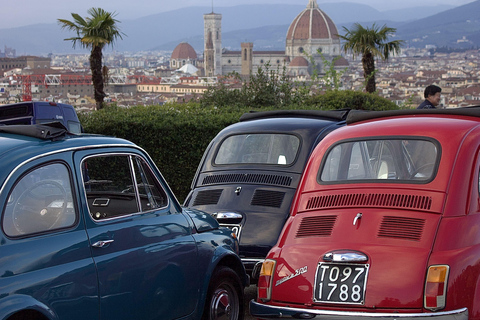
(250, 171)
(90, 230)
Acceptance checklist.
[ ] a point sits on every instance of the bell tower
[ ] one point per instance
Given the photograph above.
(213, 39)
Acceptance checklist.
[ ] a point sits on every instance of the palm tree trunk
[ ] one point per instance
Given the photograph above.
(368, 62)
(97, 77)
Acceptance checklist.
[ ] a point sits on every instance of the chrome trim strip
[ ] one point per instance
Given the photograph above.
(252, 260)
(263, 311)
(129, 154)
(64, 150)
(227, 215)
(345, 256)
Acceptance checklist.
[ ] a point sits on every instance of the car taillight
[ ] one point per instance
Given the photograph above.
(436, 287)
(264, 285)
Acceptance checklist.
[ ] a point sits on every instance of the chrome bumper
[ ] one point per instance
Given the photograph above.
(262, 311)
(253, 266)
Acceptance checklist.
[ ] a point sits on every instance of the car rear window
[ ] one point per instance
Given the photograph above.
(262, 148)
(389, 159)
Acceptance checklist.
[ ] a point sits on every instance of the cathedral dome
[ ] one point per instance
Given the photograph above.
(184, 51)
(299, 62)
(312, 23)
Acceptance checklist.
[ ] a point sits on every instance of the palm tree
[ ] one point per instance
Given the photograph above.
(94, 32)
(370, 43)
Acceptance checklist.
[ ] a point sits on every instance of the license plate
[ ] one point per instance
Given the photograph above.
(236, 228)
(340, 283)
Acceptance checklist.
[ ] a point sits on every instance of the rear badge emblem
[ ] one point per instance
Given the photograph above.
(293, 275)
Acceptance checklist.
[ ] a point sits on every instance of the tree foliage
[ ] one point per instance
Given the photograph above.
(267, 88)
(370, 43)
(94, 33)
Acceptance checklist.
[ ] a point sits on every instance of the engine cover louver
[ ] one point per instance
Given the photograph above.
(401, 228)
(267, 198)
(248, 178)
(207, 197)
(318, 226)
(371, 199)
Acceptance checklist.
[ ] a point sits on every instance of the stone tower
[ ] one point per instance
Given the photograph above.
(247, 58)
(209, 57)
(213, 31)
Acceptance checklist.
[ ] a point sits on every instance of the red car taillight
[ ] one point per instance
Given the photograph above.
(264, 285)
(436, 287)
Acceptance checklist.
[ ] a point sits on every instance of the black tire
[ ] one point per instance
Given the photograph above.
(224, 297)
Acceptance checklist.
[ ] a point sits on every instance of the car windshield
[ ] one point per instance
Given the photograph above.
(404, 160)
(264, 148)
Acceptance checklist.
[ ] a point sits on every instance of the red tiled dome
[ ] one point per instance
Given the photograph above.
(299, 62)
(312, 23)
(183, 51)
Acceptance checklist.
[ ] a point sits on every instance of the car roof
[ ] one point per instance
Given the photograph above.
(332, 115)
(438, 124)
(19, 143)
(456, 131)
(302, 122)
(310, 125)
(363, 115)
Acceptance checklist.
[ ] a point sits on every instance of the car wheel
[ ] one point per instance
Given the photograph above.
(224, 297)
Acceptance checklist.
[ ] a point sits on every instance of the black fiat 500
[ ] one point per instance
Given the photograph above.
(249, 173)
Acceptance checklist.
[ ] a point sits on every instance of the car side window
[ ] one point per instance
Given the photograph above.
(40, 201)
(119, 185)
(152, 196)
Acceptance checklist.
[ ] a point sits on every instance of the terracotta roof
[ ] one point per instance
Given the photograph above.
(183, 51)
(299, 62)
(312, 23)
(341, 62)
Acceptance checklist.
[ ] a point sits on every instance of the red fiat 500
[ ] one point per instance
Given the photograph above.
(385, 223)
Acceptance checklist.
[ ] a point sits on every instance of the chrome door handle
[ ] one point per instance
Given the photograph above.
(101, 244)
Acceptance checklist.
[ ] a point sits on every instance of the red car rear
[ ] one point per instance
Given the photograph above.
(385, 223)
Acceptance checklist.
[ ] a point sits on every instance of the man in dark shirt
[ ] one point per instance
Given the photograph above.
(432, 96)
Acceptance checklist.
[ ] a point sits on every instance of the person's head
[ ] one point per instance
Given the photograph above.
(432, 94)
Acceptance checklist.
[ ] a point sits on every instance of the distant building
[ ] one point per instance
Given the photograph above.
(213, 44)
(23, 62)
(183, 54)
(311, 35)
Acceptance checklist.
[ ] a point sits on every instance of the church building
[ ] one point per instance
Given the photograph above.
(312, 31)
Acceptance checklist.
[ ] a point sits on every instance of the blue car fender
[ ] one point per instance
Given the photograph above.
(19, 302)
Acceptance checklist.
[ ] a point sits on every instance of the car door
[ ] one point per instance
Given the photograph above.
(46, 261)
(142, 246)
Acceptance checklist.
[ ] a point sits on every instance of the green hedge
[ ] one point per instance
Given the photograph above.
(176, 135)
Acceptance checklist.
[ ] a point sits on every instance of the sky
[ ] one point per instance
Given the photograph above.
(17, 13)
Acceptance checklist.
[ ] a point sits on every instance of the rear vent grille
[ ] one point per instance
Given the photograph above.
(319, 226)
(248, 178)
(373, 199)
(267, 198)
(207, 197)
(401, 228)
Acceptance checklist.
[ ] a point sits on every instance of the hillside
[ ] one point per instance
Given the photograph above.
(446, 28)
(264, 25)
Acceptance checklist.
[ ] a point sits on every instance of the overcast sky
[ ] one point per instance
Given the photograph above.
(16, 13)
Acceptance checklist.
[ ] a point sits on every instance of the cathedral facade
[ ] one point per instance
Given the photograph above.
(311, 38)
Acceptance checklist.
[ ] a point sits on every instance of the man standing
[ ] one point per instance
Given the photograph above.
(432, 97)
